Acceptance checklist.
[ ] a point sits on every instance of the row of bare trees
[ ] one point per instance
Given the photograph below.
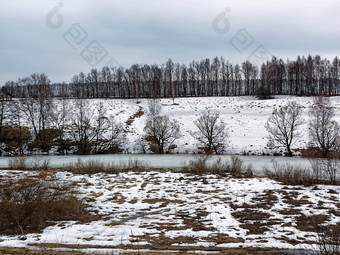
(284, 128)
(311, 75)
(72, 126)
(33, 125)
(324, 132)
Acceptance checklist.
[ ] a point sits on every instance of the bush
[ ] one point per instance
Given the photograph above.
(29, 163)
(18, 163)
(30, 204)
(15, 138)
(328, 237)
(325, 170)
(291, 175)
(263, 93)
(200, 165)
(236, 165)
(95, 166)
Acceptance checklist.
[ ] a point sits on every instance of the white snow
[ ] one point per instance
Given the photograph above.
(140, 208)
(245, 117)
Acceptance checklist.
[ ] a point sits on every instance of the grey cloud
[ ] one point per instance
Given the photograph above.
(151, 31)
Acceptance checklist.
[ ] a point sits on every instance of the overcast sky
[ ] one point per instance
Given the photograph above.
(37, 35)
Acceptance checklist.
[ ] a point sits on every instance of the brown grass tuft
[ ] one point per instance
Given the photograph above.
(95, 166)
(30, 204)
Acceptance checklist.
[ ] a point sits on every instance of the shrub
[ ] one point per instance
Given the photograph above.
(263, 92)
(29, 163)
(95, 166)
(30, 204)
(291, 175)
(18, 163)
(236, 165)
(200, 165)
(45, 140)
(15, 137)
(328, 237)
(325, 170)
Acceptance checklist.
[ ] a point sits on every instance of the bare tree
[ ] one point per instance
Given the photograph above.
(81, 127)
(3, 109)
(95, 133)
(108, 134)
(309, 75)
(323, 130)
(59, 119)
(160, 130)
(17, 135)
(36, 106)
(212, 132)
(283, 126)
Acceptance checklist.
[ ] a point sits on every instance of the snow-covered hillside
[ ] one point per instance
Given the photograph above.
(244, 116)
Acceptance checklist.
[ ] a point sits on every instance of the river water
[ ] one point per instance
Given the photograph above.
(166, 161)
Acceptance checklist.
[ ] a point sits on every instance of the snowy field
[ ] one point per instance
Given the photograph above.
(245, 117)
(176, 211)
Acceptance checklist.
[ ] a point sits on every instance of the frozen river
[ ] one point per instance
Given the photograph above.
(166, 161)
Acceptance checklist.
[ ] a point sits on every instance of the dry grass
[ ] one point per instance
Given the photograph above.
(21, 251)
(253, 220)
(28, 163)
(254, 213)
(328, 237)
(30, 204)
(95, 166)
(200, 165)
(161, 248)
(226, 251)
(291, 175)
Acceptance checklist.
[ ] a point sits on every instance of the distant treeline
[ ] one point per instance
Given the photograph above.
(305, 76)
